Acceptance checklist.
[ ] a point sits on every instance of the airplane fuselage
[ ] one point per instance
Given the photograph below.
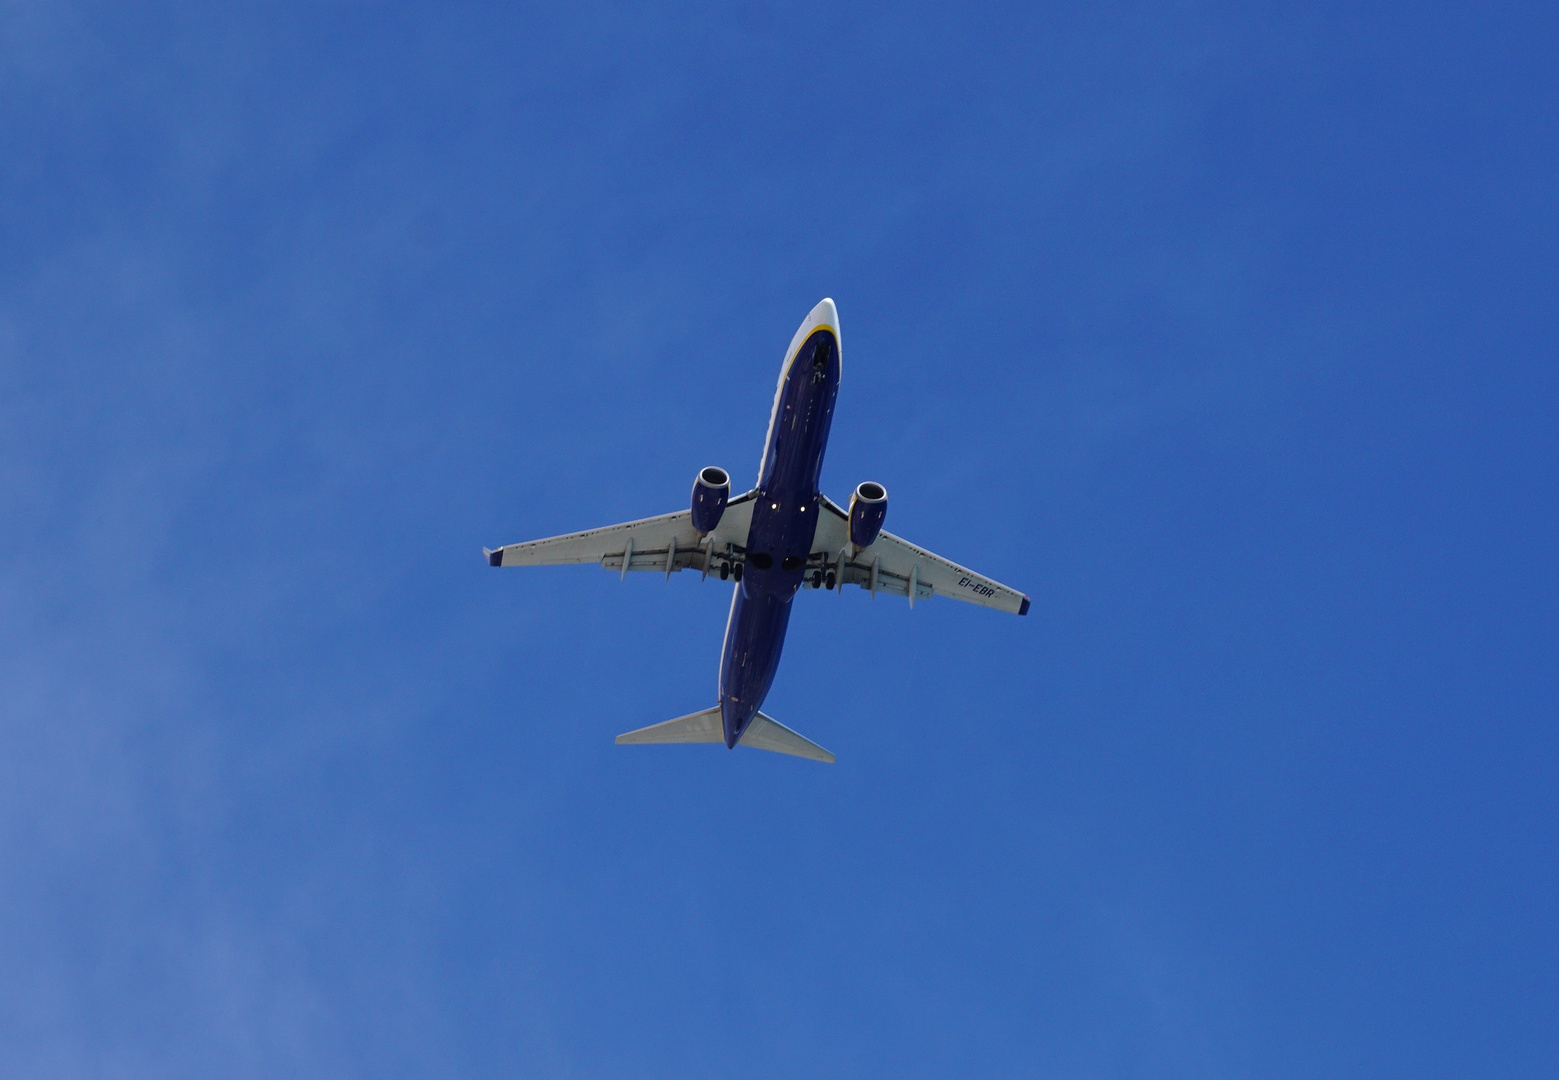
(784, 521)
(777, 538)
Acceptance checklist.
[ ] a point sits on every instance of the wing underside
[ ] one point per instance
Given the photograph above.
(897, 567)
(669, 544)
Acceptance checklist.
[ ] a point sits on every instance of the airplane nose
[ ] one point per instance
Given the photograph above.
(825, 314)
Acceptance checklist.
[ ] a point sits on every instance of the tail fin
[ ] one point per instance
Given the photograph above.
(764, 733)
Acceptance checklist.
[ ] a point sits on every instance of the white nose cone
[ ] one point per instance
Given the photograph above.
(823, 317)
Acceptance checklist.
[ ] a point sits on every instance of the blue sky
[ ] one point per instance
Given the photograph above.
(1226, 332)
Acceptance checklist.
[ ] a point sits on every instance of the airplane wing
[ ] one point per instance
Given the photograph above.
(668, 542)
(896, 566)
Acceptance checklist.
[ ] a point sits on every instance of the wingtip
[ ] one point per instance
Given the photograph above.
(1023, 609)
(494, 556)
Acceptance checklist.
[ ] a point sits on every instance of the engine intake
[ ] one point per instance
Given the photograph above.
(711, 491)
(868, 508)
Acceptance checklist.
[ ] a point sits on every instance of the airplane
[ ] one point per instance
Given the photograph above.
(773, 541)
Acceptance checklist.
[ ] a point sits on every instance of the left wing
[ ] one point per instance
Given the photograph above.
(668, 542)
(896, 566)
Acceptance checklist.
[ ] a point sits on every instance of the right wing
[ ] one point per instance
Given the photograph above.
(666, 543)
(894, 565)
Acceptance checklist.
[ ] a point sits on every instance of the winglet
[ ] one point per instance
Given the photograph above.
(1022, 610)
(494, 556)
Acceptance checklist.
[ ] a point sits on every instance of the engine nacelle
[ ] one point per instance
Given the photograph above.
(868, 508)
(711, 491)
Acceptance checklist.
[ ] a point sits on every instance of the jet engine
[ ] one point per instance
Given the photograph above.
(711, 490)
(868, 507)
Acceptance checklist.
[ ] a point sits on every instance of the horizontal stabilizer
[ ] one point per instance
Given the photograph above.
(767, 733)
(764, 733)
(694, 727)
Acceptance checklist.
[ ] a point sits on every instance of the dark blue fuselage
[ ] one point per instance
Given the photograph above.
(784, 522)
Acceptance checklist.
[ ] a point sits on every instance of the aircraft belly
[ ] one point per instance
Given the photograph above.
(754, 638)
(784, 521)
